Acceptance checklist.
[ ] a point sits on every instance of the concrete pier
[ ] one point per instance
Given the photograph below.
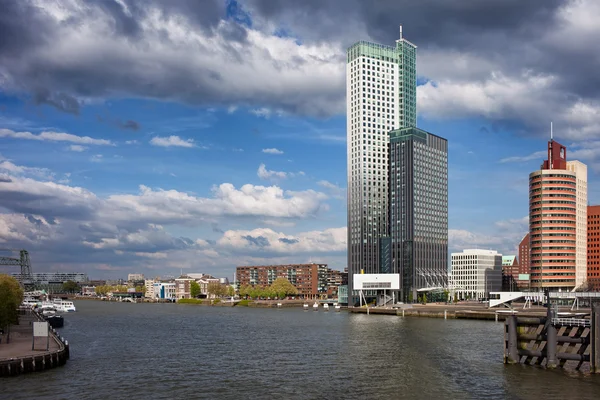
(17, 357)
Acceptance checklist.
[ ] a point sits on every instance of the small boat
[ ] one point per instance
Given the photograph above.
(337, 307)
(326, 307)
(305, 306)
(30, 302)
(279, 305)
(316, 306)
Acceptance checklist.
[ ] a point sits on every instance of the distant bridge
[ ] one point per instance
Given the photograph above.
(26, 277)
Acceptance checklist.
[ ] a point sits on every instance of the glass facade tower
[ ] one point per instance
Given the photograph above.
(381, 85)
(418, 211)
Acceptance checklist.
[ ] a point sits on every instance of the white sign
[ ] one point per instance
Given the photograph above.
(40, 329)
(376, 281)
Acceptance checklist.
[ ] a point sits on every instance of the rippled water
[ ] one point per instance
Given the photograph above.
(169, 351)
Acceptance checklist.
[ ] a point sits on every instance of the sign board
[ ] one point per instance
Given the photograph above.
(523, 277)
(376, 281)
(40, 329)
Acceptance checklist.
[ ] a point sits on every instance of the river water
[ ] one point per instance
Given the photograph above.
(170, 351)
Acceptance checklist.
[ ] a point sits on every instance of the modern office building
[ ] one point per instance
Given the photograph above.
(418, 210)
(558, 222)
(476, 273)
(309, 279)
(593, 249)
(380, 97)
(164, 290)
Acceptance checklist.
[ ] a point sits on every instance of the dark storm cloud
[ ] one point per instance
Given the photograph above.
(60, 101)
(259, 241)
(288, 241)
(126, 125)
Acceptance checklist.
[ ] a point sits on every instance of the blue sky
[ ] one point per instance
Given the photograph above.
(205, 136)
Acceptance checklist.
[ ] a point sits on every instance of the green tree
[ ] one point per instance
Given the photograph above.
(194, 289)
(216, 289)
(424, 298)
(141, 288)
(410, 297)
(230, 291)
(245, 290)
(281, 287)
(70, 287)
(11, 297)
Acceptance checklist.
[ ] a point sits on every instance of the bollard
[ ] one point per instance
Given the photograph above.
(403, 312)
(445, 314)
(512, 356)
(595, 339)
(496, 317)
(367, 310)
(551, 341)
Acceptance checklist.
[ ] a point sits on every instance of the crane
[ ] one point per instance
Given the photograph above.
(24, 262)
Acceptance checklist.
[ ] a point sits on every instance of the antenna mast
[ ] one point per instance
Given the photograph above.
(551, 130)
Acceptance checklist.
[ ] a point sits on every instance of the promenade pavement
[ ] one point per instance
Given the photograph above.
(20, 340)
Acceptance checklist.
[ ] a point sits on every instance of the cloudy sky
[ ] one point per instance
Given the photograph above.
(152, 136)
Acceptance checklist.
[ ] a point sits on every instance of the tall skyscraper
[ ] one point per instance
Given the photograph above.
(558, 222)
(418, 209)
(380, 96)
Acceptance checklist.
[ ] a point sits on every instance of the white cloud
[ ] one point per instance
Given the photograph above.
(261, 112)
(77, 147)
(11, 168)
(272, 151)
(231, 109)
(96, 158)
(172, 141)
(268, 240)
(334, 190)
(131, 142)
(504, 237)
(538, 155)
(264, 173)
(55, 137)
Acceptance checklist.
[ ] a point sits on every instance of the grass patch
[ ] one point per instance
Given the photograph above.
(243, 303)
(190, 301)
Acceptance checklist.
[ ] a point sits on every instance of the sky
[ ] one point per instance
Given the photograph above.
(158, 137)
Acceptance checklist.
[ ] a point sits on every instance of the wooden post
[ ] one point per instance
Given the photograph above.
(595, 339)
(512, 356)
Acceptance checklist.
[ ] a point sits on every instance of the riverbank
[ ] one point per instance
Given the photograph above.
(17, 357)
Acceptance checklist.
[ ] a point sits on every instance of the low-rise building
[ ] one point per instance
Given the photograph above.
(182, 285)
(476, 273)
(510, 273)
(309, 279)
(164, 290)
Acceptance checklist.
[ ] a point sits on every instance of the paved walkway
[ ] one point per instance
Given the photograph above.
(20, 340)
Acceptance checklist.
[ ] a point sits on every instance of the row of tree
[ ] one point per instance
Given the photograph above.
(102, 290)
(214, 289)
(280, 288)
(11, 297)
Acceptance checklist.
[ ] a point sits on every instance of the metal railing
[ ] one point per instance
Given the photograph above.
(571, 322)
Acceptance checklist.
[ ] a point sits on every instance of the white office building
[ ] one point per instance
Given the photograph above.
(475, 273)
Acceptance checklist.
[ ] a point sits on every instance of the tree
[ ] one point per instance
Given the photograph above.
(194, 289)
(410, 297)
(141, 288)
(230, 291)
(11, 297)
(424, 298)
(245, 290)
(216, 289)
(281, 287)
(70, 287)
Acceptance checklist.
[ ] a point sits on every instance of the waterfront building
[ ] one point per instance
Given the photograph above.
(593, 238)
(164, 290)
(56, 277)
(380, 97)
(510, 273)
(558, 222)
(149, 285)
(525, 256)
(309, 279)
(335, 279)
(182, 285)
(204, 282)
(476, 273)
(135, 277)
(418, 209)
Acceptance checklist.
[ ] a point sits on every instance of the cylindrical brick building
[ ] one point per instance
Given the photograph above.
(553, 228)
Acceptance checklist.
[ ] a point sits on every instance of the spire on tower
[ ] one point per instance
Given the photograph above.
(400, 32)
(551, 130)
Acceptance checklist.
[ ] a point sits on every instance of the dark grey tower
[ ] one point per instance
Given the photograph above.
(418, 209)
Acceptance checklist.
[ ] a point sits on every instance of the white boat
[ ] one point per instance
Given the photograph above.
(64, 305)
(30, 302)
(305, 306)
(326, 307)
(279, 305)
(316, 306)
(338, 307)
